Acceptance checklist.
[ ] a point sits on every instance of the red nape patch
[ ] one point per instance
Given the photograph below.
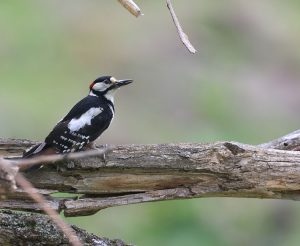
(91, 85)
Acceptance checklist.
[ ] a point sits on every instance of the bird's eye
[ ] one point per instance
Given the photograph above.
(106, 82)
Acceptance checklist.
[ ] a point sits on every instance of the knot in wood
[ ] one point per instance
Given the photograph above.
(233, 148)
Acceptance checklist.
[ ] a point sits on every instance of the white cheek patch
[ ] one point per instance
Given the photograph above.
(85, 119)
(100, 86)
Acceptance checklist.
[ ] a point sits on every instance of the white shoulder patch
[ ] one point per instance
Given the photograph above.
(84, 119)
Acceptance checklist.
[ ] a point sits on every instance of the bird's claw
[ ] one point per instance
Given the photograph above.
(92, 146)
(103, 156)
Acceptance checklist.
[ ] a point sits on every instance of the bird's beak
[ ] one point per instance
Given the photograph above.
(120, 83)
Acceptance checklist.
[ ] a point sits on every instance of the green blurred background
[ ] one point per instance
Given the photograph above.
(242, 85)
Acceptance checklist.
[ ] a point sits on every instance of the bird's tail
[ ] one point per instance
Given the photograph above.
(34, 150)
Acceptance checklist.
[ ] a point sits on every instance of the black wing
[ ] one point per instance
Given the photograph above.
(66, 140)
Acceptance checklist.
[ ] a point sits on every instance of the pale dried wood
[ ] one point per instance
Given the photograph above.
(131, 6)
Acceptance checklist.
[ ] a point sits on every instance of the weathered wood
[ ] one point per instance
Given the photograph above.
(290, 141)
(27, 204)
(14, 146)
(163, 172)
(143, 173)
(34, 229)
(89, 206)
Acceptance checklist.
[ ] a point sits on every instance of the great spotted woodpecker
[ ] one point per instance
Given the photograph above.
(86, 121)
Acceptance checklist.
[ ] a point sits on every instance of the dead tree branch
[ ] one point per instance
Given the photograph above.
(34, 229)
(143, 173)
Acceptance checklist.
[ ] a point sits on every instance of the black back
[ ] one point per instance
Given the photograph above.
(65, 140)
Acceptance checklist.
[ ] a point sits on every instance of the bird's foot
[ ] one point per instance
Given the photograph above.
(92, 146)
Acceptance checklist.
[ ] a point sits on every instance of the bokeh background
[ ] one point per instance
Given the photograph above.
(242, 85)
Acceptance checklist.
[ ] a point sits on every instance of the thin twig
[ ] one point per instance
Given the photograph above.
(132, 7)
(31, 191)
(44, 159)
(184, 38)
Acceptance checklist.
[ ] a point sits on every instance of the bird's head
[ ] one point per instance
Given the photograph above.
(107, 86)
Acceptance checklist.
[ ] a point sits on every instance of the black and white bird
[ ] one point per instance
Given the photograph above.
(86, 121)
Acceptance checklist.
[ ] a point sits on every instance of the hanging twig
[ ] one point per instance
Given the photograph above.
(184, 38)
(132, 7)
